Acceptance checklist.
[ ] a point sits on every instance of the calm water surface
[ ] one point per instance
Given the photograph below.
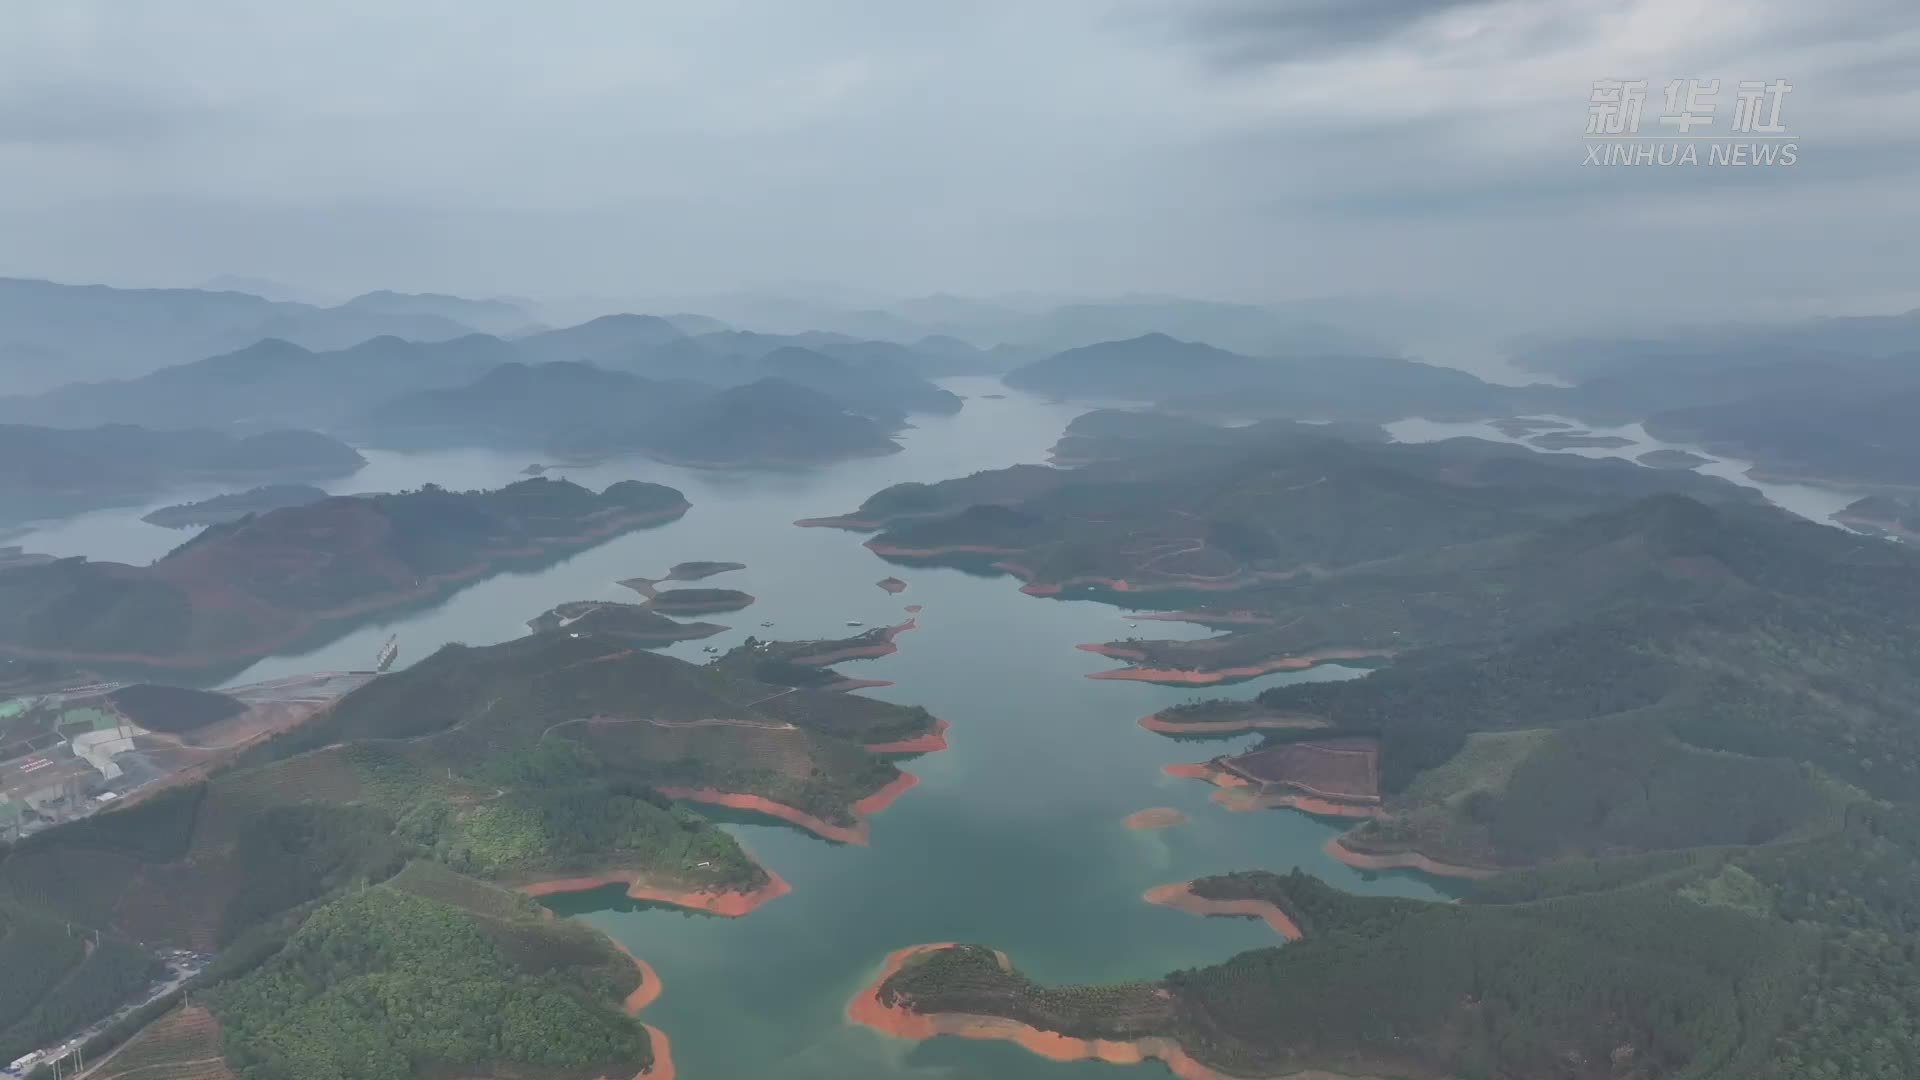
(1013, 837)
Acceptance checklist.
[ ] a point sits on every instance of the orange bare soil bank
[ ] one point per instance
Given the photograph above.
(845, 834)
(932, 742)
(1180, 895)
(1403, 860)
(1218, 675)
(1155, 817)
(1238, 793)
(644, 995)
(902, 1023)
(730, 903)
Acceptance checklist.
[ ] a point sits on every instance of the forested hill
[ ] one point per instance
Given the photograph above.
(1274, 501)
(243, 589)
(1667, 732)
(353, 874)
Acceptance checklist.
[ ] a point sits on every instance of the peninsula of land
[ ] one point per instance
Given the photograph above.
(246, 589)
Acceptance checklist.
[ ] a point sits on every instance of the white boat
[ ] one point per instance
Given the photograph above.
(855, 622)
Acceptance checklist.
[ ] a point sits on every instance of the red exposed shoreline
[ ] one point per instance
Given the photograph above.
(728, 903)
(932, 742)
(644, 995)
(1236, 794)
(867, 1010)
(1403, 860)
(1218, 675)
(857, 834)
(1180, 895)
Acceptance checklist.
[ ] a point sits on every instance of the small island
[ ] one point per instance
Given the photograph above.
(698, 601)
(1154, 817)
(224, 508)
(636, 624)
(701, 568)
(1579, 440)
(1670, 458)
(1519, 427)
(701, 601)
(892, 584)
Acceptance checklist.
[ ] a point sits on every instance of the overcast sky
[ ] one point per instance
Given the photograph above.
(1241, 149)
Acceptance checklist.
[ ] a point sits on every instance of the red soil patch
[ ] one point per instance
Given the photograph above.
(892, 584)
(644, 995)
(1155, 817)
(1206, 771)
(1240, 793)
(1180, 895)
(858, 833)
(866, 1009)
(1159, 724)
(730, 903)
(647, 992)
(1219, 675)
(662, 1067)
(1403, 860)
(845, 685)
(932, 742)
(1334, 768)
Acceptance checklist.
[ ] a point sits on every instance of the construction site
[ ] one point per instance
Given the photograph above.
(68, 754)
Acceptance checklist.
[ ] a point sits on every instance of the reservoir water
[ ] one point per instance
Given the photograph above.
(1013, 837)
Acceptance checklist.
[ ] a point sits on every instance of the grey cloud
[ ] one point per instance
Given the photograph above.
(1245, 33)
(82, 112)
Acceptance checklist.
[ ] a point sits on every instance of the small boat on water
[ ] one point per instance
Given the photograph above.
(855, 622)
(768, 622)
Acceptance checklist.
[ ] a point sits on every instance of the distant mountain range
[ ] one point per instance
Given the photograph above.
(1197, 377)
(52, 334)
(50, 472)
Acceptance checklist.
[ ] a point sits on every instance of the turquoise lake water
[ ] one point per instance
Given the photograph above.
(1012, 838)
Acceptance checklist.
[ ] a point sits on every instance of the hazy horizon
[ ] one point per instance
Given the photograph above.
(1425, 155)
